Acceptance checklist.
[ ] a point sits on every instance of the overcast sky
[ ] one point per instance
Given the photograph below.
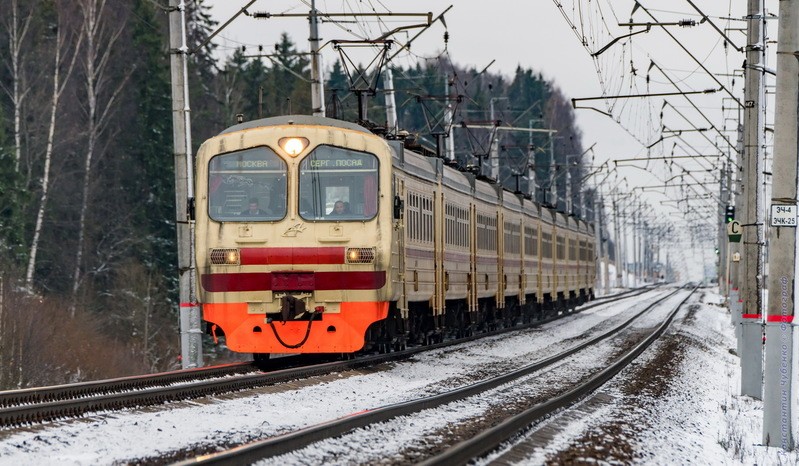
(537, 34)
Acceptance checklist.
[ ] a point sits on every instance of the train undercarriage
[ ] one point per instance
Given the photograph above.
(422, 327)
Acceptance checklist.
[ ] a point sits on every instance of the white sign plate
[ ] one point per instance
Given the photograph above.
(783, 215)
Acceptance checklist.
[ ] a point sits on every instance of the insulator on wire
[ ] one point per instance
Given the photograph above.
(446, 36)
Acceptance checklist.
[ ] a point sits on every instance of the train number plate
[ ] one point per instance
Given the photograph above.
(293, 281)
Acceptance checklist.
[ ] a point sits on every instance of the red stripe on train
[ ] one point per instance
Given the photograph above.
(272, 256)
(292, 281)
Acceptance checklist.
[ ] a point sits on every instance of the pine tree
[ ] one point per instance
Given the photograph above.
(149, 143)
(288, 81)
(254, 77)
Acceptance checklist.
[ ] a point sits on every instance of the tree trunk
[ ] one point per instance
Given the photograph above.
(16, 36)
(58, 89)
(95, 61)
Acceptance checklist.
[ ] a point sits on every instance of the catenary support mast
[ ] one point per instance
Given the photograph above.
(190, 318)
(751, 293)
(779, 401)
(317, 75)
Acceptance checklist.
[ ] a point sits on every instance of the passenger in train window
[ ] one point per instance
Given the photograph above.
(339, 209)
(253, 210)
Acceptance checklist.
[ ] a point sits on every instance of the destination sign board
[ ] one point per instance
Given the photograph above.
(783, 215)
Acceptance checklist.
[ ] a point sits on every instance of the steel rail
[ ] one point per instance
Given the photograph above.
(489, 440)
(75, 390)
(278, 445)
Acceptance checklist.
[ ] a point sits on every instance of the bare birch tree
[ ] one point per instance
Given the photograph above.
(100, 105)
(61, 44)
(17, 30)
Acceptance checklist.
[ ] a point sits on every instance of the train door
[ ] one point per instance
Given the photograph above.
(473, 261)
(438, 255)
(399, 241)
(523, 267)
(501, 282)
(540, 256)
(522, 278)
(555, 259)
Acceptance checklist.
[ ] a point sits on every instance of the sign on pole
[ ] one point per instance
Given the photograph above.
(783, 215)
(734, 231)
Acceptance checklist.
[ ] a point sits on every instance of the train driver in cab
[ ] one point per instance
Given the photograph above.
(339, 209)
(253, 210)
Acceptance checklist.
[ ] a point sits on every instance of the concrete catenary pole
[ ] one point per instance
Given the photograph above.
(752, 313)
(736, 303)
(449, 141)
(636, 218)
(190, 317)
(723, 264)
(598, 241)
(625, 275)
(618, 245)
(317, 76)
(390, 99)
(531, 180)
(552, 192)
(493, 159)
(603, 247)
(779, 401)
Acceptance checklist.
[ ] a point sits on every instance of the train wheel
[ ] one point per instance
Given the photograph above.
(261, 360)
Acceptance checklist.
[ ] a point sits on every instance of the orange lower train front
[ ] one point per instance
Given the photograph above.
(311, 301)
(341, 332)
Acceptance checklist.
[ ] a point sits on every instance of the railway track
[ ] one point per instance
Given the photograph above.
(493, 438)
(282, 444)
(20, 407)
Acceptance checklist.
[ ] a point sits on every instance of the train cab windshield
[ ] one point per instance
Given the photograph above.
(338, 184)
(247, 186)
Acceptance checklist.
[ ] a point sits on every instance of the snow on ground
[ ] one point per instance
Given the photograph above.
(700, 419)
(705, 421)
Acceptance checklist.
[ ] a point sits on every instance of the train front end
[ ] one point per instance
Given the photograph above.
(293, 235)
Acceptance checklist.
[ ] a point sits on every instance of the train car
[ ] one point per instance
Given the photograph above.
(314, 235)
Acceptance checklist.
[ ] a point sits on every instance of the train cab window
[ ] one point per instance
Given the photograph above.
(338, 184)
(247, 186)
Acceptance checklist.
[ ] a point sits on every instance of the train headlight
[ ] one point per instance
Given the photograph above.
(224, 256)
(360, 255)
(293, 146)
